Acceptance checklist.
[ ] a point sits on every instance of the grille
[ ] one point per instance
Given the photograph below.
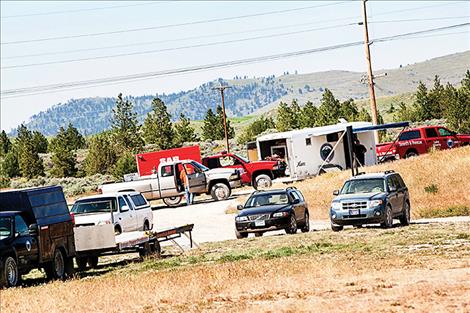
(354, 205)
(258, 217)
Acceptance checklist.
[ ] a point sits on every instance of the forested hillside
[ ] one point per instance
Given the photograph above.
(252, 95)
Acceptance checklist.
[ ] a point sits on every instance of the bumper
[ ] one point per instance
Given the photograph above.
(366, 216)
(270, 224)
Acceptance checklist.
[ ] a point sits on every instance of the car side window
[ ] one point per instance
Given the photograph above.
(122, 203)
(139, 201)
(391, 183)
(167, 170)
(431, 133)
(444, 132)
(299, 194)
(401, 183)
(294, 195)
(20, 226)
(412, 134)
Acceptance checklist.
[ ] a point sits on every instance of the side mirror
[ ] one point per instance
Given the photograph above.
(335, 192)
(239, 207)
(124, 208)
(296, 201)
(33, 229)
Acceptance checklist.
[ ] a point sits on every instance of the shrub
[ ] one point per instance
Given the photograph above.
(431, 189)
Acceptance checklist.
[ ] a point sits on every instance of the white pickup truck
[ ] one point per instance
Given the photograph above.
(130, 211)
(166, 183)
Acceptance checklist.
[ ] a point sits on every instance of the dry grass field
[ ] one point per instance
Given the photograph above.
(421, 268)
(438, 183)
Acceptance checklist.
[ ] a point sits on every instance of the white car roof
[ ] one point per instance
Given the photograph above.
(109, 194)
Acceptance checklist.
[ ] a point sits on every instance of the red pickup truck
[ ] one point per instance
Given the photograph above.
(420, 140)
(259, 174)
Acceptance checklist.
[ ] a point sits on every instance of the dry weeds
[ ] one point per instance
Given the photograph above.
(366, 270)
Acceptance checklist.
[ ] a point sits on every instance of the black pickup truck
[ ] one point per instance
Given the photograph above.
(36, 231)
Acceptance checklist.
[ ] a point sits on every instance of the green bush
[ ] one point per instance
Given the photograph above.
(431, 189)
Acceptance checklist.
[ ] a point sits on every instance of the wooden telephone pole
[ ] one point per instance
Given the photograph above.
(373, 104)
(222, 89)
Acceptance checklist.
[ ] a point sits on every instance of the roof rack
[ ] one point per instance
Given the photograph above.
(389, 171)
(292, 187)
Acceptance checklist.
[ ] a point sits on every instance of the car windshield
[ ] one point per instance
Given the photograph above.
(94, 206)
(5, 227)
(363, 186)
(243, 158)
(267, 199)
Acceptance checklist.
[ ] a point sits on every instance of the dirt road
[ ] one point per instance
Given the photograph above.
(211, 223)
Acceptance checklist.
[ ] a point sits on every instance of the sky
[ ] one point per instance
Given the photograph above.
(284, 26)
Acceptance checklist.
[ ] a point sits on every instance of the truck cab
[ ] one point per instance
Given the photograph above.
(36, 231)
(258, 174)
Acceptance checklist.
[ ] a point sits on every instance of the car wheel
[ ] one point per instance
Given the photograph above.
(292, 228)
(306, 227)
(56, 268)
(240, 235)
(81, 263)
(411, 154)
(259, 234)
(9, 276)
(172, 201)
(93, 261)
(406, 216)
(262, 181)
(336, 228)
(388, 223)
(220, 191)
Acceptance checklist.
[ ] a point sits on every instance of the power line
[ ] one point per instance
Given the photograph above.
(143, 76)
(170, 25)
(212, 36)
(174, 48)
(76, 10)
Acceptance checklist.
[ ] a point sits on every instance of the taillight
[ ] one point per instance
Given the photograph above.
(73, 218)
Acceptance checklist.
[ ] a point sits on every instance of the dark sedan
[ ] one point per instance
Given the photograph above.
(272, 210)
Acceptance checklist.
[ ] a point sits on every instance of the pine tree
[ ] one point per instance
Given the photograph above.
(5, 143)
(30, 164)
(254, 129)
(75, 140)
(329, 109)
(9, 166)
(64, 161)
(126, 164)
(220, 130)
(184, 131)
(437, 99)
(284, 117)
(458, 109)
(209, 130)
(423, 104)
(40, 142)
(348, 111)
(296, 112)
(125, 127)
(158, 128)
(101, 156)
(405, 113)
(309, 116)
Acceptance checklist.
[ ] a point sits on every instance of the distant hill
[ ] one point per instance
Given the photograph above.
(254, 95)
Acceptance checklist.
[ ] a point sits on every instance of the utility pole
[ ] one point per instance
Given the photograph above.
(373, 104)
(222, 89)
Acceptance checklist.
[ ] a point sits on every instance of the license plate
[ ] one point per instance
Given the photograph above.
(260, 223)
(354, 212)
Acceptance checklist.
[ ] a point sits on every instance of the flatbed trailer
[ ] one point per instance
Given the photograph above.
(94, 241)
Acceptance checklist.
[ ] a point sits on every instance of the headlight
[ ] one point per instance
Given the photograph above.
(280, 214)
(336, 205)
(375, 203)
(241, 218)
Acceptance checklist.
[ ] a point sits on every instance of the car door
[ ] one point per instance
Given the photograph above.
(169, 180)
(196, 178)
(231, 161)
(447, 138)
(302, 204)
(25, 245)
(136, 218)
(126, 215)
(402, 191)
(432, 139)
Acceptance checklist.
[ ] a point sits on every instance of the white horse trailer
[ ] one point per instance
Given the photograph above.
(310, 151)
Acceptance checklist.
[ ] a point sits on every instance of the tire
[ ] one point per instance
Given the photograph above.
(259, 234)
(388, 223)
(172, 201)
(69, 269)
(81, 263)
(9, 276)
(240, 235)
(56, 268)
(406, 216)
(411, 154)
(262, 181)
(306, 227)
(220, 191)
(292, 228)
(93, 261)
(336, 228)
